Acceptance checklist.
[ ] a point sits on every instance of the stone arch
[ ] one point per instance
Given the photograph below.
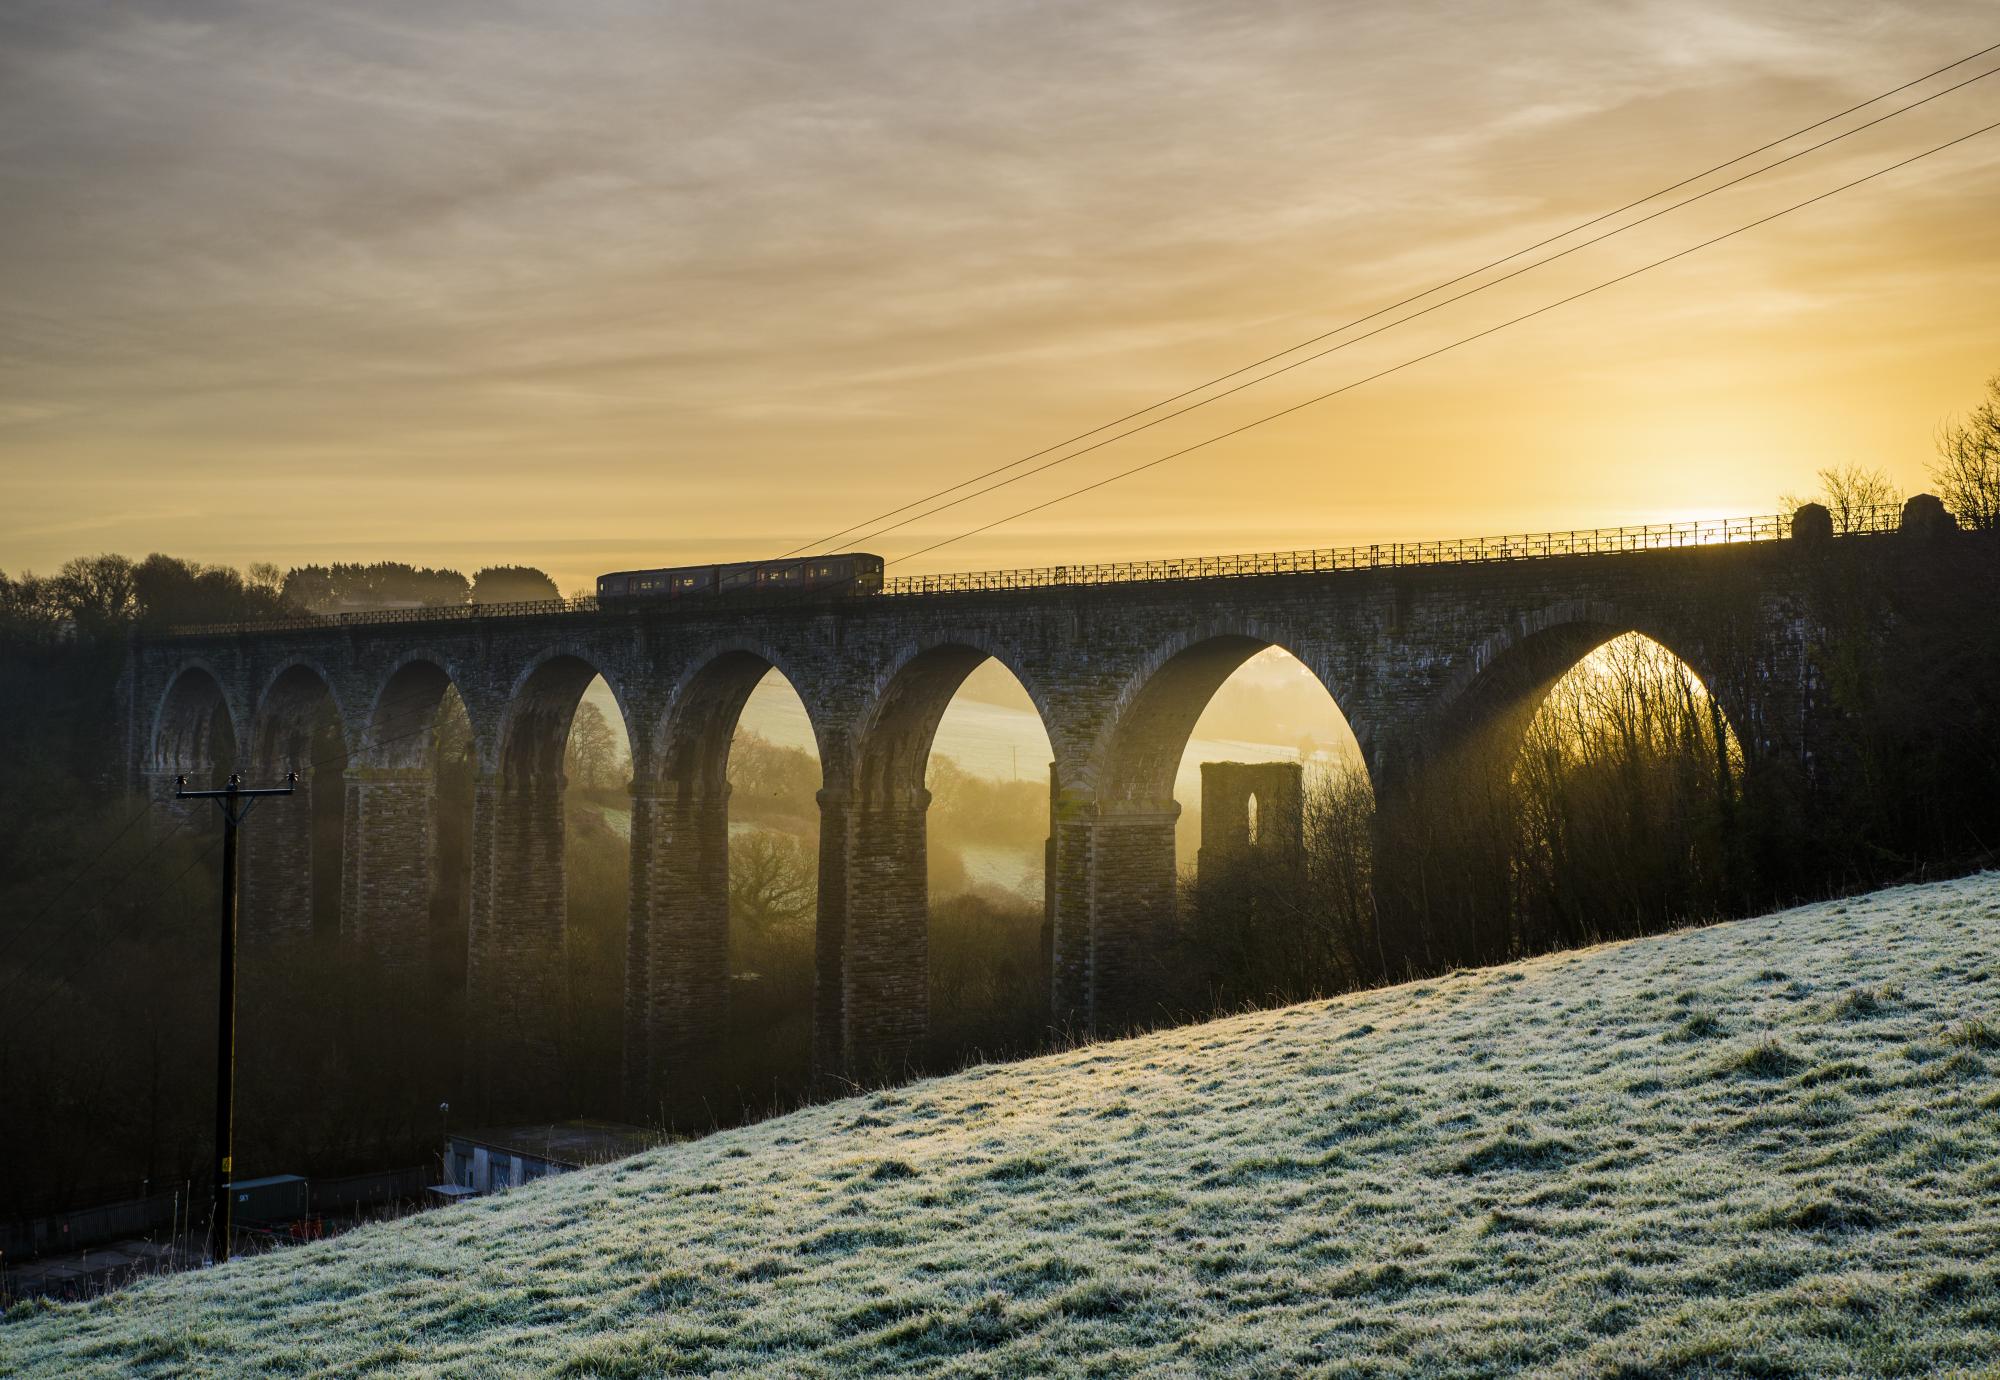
(281, 734)
(1114, 873)
(535, 719)
(292, 854)
(911, 695)
(1139, 748)
(185, 739)
(402, 719)
(519, 913)
(690, 747)
(874, 959)
(677, 959)
(1509, 673)
(1471, 731)
(392, 880)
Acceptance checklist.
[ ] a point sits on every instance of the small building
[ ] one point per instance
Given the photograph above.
(509, 1156)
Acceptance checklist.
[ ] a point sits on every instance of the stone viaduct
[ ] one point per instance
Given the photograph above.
(1416, 652)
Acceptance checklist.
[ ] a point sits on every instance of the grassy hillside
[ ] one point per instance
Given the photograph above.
(1769, 1148)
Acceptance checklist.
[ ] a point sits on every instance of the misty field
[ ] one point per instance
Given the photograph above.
(1769, 1147)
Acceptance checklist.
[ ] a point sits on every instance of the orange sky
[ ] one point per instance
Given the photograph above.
(597, 285)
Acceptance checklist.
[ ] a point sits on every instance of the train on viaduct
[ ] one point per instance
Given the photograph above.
(1419, 646)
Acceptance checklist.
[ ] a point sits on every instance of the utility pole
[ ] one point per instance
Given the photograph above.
(234, 802)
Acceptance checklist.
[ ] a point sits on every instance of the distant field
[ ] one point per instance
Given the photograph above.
(1766, 1148)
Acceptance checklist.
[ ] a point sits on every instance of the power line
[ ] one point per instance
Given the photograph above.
(1415, 297)
(1422, 311)
(1442, 349)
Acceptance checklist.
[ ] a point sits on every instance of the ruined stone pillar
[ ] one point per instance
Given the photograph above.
(885, 961)
(389, 863)
(1112, 904)
(677, 945)
(276, 878)
(514, 960)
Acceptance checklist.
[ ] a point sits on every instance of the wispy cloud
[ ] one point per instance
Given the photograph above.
(639, 245)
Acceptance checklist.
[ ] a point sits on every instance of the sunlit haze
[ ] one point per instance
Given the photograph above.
(594, 286)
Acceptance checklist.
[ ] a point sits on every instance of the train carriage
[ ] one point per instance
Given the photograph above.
(853, 572)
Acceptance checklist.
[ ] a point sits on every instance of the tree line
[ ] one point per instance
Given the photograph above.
(93, 598)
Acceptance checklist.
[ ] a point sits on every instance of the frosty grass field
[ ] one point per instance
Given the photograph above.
(1767, 1148)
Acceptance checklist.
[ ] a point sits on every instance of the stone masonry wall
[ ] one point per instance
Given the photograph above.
(1411, 656)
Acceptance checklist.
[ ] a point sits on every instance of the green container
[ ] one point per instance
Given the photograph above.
(268, 1202)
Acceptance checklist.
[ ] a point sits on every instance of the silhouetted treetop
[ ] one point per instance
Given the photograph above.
(1967, 470)
(94, 597)
(512, 584)
(345, 586)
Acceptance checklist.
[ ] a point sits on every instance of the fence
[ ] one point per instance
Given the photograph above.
(1594, 541)
(21, 1238)
(80, 1227)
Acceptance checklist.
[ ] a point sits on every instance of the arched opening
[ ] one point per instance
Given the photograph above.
(390, 978)
(986, 846)
(406, 892)
(298, 1005)
(597, 852)
(1587, 785)
(291, 863)
(1624, 790)
(774, 776)
(541, 985)
(1274, 839)
(721, 956)
(1268, 708)
(894, 878)
(194, 734)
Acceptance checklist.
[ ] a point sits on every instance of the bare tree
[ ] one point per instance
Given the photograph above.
(1967, 470)
(592, 759)
(773, 880)
(97, 591)
(1853, 495)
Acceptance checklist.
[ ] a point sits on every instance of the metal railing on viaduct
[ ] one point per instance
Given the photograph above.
(1588, 541)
